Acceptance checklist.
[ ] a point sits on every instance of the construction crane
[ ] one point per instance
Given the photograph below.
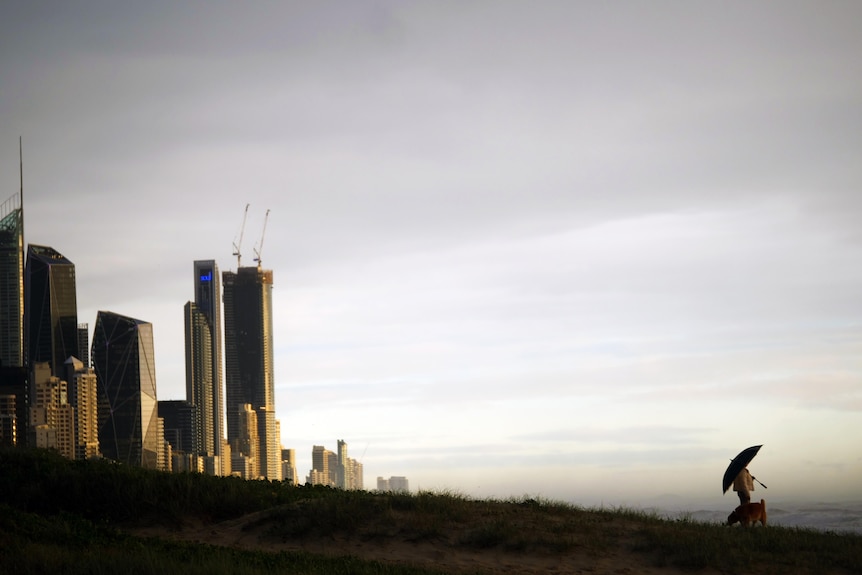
(259, 249)
(238, 244)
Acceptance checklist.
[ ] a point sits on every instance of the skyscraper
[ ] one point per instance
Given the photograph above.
(323, 464)
(199, 376)
(14, 379)
(84, 344)
(124, 363)
(50, 308)
(83, 397)
(203, 359)
(343, 476)
(288, 466)
(249, 377)
(11, 283)
(246, 446)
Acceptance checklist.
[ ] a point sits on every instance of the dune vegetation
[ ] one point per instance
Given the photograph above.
(64, 516)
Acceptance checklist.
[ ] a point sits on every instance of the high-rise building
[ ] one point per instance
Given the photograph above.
(181, 428)
(52, 417)
(348, 472)
(342, 475)
(322, 462)
(270, 444)
(357, 475)
(204, 379)
(50, 308)
(11, 283)
(334, 469)
(83, 397)
(249, 376)
(246, 446)
(83, 353)
(164, 455)
(199, 377)
(124, 363)
(288, 466)
(14, 376)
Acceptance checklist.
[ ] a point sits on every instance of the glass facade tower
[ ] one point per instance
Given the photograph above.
(203, 358)
(11, 283)
(124, 363)
(50, 308)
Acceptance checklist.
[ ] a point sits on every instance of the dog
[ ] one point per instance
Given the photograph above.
(748, 514)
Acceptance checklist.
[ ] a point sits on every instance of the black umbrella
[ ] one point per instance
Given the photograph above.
(737, 464)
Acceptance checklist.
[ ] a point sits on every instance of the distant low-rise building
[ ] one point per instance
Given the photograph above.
(394, 483)
(335, 470)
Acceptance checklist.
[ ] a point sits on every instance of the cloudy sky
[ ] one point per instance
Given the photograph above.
(582, 250)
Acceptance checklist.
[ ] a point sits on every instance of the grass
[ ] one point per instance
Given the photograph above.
(73, 517)
(32, 544)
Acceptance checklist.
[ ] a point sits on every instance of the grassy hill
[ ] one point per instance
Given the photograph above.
(98, 517)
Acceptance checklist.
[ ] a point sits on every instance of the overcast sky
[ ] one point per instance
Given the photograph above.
(582, 250)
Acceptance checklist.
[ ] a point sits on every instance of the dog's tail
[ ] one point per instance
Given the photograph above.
(763, 504)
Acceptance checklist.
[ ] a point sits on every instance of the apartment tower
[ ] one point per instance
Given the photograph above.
(82, 386)
(204, 363)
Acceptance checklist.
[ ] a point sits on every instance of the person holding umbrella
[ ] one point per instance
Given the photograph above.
(737, 475)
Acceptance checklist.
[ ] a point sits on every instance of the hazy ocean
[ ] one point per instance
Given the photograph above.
(836, 517)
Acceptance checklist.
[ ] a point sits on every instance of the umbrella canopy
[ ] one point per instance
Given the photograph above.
(737, 464)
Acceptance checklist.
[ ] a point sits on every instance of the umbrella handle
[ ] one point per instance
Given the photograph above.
(756, 479)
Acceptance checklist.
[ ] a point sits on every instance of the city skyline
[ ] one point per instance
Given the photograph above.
(587, 251)
(135, 426)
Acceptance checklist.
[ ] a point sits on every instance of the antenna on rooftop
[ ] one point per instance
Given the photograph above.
(259, 249)
(238, 244)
